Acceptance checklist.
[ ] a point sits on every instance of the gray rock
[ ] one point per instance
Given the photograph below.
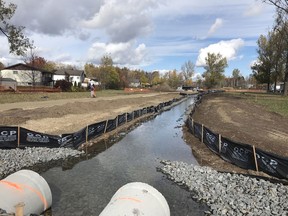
(226, 193)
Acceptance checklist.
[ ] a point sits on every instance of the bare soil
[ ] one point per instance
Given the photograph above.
(66, 116)
(232, 117)
(241, 121)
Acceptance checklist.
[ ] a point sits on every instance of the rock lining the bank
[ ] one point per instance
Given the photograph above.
(13, 160)
(229, 194)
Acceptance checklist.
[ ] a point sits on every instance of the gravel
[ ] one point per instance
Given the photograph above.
(17, 159)
(229, 194)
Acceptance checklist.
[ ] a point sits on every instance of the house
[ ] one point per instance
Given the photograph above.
(26, 75)
(90, 81)
(135, 83)
(70, 75)
(8, 84)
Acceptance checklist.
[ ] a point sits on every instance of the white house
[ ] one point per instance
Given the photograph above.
(70, 75)
(135, 83)
(26, 75)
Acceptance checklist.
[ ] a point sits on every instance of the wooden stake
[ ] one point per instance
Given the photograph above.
(193, 126)
(19, 209)
(202, 134)
(106, 126)
(255, 158)
(87, 134)
(219, 146)
(18, 141)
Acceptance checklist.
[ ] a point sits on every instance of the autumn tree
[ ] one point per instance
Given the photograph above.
(214, 67)
(156, 79)
(174, 79)
(33, 75)
(92, 70)
(18, 42)
(187, 71)
(108, 75)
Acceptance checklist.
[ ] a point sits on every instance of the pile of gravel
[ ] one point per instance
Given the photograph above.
(17, 159)
(229, 194)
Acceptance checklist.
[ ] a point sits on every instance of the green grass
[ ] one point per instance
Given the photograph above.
(272, 102)
(25, 97)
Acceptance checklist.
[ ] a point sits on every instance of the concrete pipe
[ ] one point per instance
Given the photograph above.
(26, 188)
(137, 198)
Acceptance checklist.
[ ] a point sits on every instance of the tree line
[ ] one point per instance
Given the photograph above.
(272, 62)
(271, 66)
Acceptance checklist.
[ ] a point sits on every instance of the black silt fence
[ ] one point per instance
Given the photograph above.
(9, 137)
(17, 137)
(243, 155)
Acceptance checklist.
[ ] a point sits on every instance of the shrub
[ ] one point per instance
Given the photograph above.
(64, 85)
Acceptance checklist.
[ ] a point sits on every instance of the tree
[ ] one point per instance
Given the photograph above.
(33, 75)
(109, 76)
(215, 66)
(187, 71)
(271, 58)
(281, 25)
(91, 70)
(18, 43)
(174, 79)
(236, 75)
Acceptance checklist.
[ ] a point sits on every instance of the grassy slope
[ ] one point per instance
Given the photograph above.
(272, 102)
(23, 97)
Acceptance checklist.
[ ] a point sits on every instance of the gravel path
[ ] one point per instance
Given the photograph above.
(229, 194)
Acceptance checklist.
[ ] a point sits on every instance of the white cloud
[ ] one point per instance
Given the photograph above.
(227, 49)
(122, 53)
(254, 9)
(197, 76)
(125, 21)
(53, 17)
(217, 24)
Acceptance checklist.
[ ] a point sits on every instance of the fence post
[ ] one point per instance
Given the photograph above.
(255, 158)
(117, 121)
(19, 209)
(18, 141)
(202, 134)
(192, 125)
(133, 115)
(126, 117)
(86, 134)
(219, 147)
(106, 126)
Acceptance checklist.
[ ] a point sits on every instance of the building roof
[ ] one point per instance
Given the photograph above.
(21, 66)
(71, 72)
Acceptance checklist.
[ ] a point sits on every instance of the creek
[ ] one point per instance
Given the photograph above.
(88, 186)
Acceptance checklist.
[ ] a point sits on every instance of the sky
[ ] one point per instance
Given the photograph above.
(143, 34)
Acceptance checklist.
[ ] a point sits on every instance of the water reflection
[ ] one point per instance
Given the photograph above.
(88, 186)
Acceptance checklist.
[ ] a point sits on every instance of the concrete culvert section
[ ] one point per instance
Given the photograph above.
(137, 198)
(26, 188)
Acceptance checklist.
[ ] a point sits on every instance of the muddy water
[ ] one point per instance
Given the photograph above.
(89, 185)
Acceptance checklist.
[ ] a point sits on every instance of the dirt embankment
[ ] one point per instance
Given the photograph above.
(241, 121)
(65, 116)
